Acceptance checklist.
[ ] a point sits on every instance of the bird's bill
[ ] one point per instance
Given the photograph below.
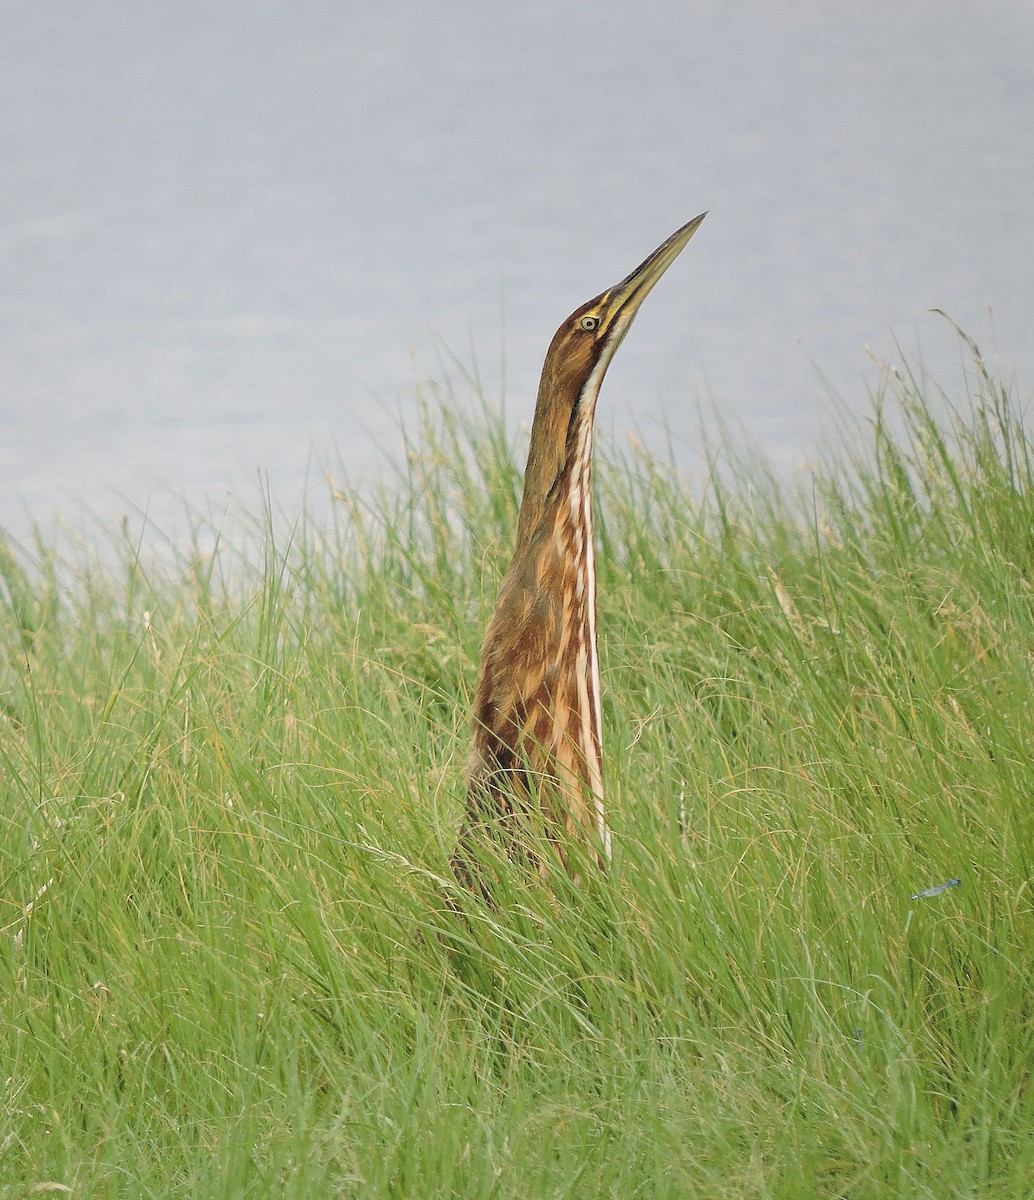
(628, 295)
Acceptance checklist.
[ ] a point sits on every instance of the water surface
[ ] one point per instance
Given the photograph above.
(231, 233)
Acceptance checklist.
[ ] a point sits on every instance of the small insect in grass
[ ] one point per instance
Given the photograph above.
(936, 889)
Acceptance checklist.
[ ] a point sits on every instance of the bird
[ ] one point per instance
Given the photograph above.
(536, 754)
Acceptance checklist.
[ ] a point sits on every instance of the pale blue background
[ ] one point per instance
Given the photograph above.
(228, 231)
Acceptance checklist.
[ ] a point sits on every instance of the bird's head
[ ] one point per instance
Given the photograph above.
(577, 360)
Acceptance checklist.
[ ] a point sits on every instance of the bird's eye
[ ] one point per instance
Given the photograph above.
(589, 323)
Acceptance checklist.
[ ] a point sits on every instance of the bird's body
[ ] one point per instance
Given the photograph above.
(537, 729)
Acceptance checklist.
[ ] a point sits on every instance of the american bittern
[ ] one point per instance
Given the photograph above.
(537, 705)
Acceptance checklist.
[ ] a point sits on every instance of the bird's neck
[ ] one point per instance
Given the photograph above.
(560, 449)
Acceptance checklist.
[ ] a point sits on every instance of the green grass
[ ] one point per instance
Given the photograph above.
(232, 781)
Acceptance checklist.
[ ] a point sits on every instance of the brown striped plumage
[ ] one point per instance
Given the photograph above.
(536, 747)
